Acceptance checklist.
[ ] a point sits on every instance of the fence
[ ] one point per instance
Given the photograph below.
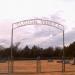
(4, 65)
(35, 66)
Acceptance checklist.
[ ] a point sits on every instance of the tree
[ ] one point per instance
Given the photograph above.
(58, 52)
(34, 51)
(26, 52)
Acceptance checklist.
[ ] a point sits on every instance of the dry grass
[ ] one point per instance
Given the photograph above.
(30, 67)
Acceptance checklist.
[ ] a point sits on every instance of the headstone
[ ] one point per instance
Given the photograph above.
(73, 61)
(67, 62)
(50, 60)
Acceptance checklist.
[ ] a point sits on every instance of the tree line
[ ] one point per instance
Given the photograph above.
(37, 52)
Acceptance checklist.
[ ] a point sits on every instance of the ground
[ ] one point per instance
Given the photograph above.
(33, 67)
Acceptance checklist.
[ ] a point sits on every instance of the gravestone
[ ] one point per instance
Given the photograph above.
(73, 61)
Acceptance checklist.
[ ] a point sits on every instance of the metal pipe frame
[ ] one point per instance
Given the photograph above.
(63, 63)
(11, 66)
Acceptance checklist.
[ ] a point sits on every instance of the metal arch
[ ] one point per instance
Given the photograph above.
(35, 22)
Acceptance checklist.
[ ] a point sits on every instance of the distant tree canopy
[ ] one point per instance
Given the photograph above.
(70, 50)
(35, 52)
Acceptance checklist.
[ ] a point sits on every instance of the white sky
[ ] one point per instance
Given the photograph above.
(17, 10)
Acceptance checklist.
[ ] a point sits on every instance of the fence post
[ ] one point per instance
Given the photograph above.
(38, 65)
(9, 66)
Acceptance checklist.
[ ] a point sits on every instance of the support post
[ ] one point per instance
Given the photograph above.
(38, 65)
(63, 63)
(11, 66)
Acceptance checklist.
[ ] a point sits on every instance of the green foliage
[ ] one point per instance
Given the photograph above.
(70, 50)
(35, 52)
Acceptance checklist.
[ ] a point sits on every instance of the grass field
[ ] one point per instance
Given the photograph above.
(33, 67)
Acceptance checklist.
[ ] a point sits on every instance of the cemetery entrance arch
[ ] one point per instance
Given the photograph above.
(36, 22)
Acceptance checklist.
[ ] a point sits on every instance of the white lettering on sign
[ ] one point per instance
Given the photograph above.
(37, 22)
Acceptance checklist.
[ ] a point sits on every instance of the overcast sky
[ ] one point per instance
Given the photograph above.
(62, 11)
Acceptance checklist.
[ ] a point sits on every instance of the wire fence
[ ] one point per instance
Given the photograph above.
(38, 65)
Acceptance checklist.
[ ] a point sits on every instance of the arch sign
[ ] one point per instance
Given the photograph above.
(37, 22)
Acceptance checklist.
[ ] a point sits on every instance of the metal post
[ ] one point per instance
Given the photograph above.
(11, 68)
(63, 63)
(8, 66)
(38, 65)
